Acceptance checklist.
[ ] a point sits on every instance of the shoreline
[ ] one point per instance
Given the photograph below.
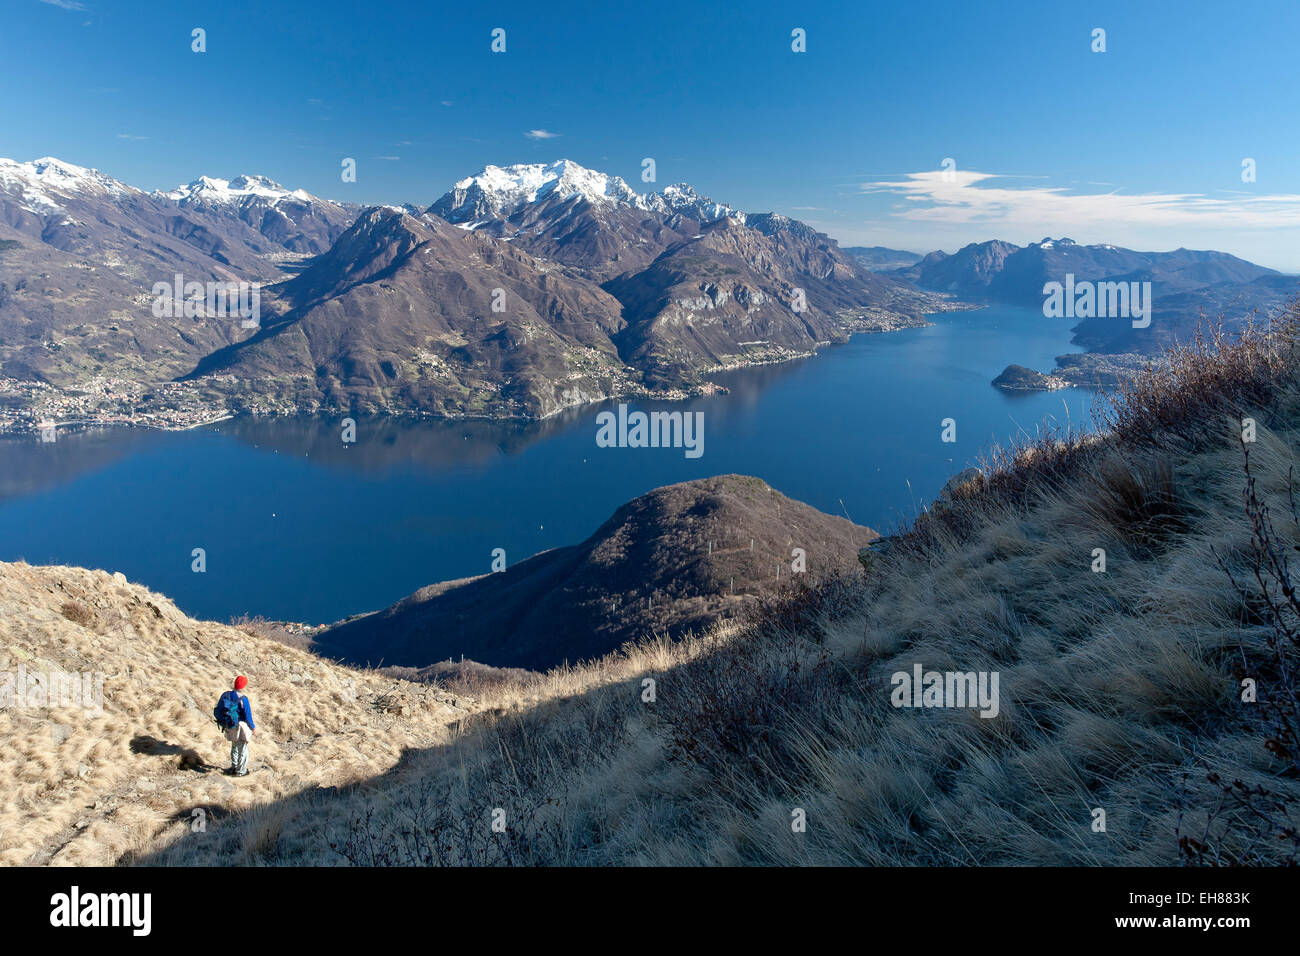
(14, 424)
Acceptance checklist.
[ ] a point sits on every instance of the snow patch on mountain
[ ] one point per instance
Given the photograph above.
(38, 185)
(208, 189)
(498, 192)
(682, 198)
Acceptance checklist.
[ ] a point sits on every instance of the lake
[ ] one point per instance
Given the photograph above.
(297, 525)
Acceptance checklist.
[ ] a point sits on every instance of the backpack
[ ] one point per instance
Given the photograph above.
(227, 711)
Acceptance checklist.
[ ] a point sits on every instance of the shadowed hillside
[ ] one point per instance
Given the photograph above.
(671, 561)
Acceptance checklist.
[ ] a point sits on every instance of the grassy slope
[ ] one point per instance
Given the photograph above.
(1117, 689)
(86, 789)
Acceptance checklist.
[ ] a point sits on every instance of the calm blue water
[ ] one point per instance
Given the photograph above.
(298, 526)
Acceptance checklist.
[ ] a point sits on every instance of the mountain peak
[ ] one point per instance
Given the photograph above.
(251, 183)
(498, 191)
(210, 189)
(51, 173)
(50, 165)
(683, 198)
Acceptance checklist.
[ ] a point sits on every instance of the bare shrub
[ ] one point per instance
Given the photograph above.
(1183, 389)
(806, 604)
(1249, 824)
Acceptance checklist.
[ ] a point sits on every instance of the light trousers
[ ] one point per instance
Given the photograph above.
(239, 738)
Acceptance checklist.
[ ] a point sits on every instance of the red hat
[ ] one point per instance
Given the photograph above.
(241, 682)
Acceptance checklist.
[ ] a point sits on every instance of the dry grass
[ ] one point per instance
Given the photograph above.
(1119, 690)
(87, 788)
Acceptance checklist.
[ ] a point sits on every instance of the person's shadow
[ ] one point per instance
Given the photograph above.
(153, 747)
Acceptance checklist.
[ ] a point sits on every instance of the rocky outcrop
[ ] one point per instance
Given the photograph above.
(1017, 378)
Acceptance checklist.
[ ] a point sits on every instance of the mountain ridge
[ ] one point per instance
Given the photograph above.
(1182, 282)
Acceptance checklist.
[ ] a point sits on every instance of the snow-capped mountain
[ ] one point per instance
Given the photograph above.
(651, 289)
(43, 186)
(80, 253)
(52, 204)
(499, 192)
(684, 200)
(590, 220)
(252, 212)
(291, 218)
(205, 189)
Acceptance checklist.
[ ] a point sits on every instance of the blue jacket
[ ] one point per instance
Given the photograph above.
(245, 709)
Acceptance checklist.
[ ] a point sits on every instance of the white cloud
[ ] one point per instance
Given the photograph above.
(130, 136)
(541, 134)
(923, 211)
(67, 5)
(966, 200)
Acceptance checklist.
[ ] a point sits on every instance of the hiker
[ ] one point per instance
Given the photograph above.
(234, 716)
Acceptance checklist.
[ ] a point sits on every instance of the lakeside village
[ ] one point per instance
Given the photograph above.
(42, 410)
(37, 408)
(33, 407)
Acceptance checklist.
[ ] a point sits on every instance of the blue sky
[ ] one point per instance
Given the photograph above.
(1141, 145)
